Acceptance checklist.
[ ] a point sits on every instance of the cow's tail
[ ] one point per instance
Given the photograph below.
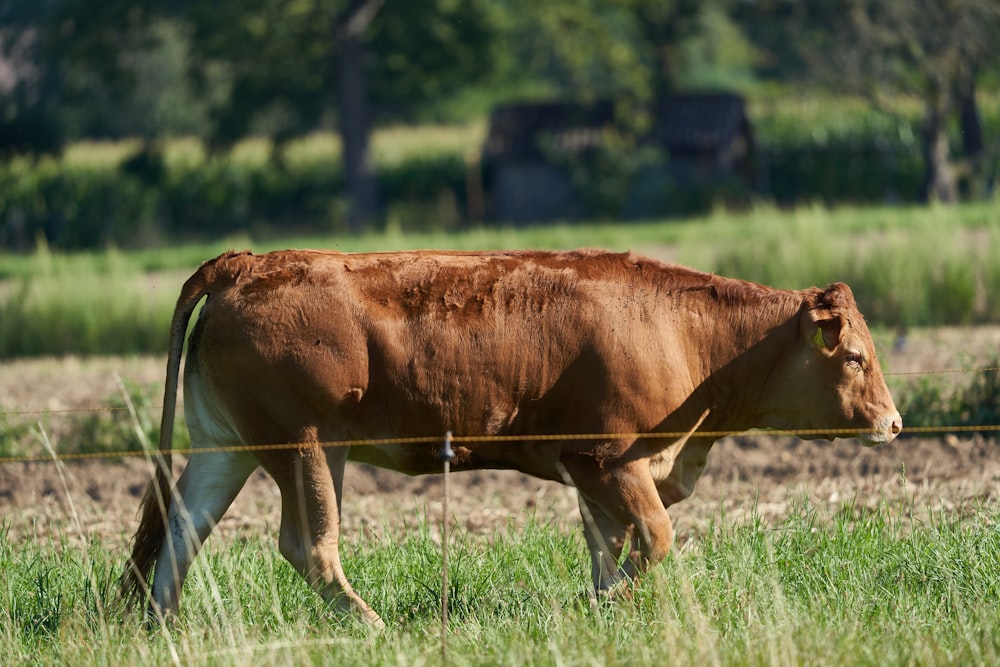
(134, 583)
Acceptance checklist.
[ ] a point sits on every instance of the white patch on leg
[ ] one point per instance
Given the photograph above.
(209, 484)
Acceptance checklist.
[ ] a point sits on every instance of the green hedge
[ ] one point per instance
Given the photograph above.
(92, 206)
(71, 206)
(838, 173)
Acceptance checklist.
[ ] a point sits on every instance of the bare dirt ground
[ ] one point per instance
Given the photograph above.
(79, 500)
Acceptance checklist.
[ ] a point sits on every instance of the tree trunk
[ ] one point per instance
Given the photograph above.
(972, 126)
(971, 177)
(355, 115)
(939, 175)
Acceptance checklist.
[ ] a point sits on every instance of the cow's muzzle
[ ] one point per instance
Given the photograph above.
(885, 430)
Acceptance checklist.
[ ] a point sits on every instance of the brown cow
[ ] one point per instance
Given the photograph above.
(307, 347)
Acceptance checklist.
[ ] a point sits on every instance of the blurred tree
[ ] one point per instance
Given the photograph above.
(289, 63)
(714, 53)
(28, 35)
(695, 44)
(229, 68)
(100, 69)
(929, 49)
(792, 38)
(631, 51)
(239, 67)
(580, 50)
(355, 114)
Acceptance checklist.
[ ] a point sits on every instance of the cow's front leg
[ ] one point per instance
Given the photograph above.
(623, 502)
(311, 484)
(606, 540)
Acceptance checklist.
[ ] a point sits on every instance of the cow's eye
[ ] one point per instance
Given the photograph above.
(853, 357)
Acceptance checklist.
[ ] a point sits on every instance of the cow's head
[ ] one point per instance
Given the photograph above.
(830, 383)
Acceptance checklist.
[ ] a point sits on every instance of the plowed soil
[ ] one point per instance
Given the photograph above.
(746, 474)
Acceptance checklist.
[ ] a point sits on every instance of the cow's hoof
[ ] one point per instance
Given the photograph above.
(622, 589)
(371, 618)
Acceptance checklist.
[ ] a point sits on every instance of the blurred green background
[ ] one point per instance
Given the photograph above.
(133, 123)
(779, 141)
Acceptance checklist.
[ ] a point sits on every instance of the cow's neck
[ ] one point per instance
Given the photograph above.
(751, 328)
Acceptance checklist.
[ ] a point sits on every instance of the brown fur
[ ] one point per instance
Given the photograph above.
(312, 346)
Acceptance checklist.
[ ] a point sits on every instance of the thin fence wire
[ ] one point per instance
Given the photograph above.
(486, 439)
(944, 371)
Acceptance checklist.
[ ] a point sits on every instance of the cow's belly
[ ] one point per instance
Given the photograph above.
(406, 458)
(538, 459)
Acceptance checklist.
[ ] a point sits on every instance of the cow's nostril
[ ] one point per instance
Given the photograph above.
(897, 425)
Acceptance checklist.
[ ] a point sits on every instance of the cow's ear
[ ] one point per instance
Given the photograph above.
(830, 332)
(822, 328)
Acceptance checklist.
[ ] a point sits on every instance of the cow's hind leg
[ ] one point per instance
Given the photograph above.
(204, 492)
(311, 486)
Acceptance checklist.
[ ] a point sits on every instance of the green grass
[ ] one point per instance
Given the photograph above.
(908, 266)
(15, 436)
(851, 587)
(78, 306)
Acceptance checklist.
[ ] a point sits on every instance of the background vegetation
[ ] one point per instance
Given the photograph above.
(842, 110)
(95, 194)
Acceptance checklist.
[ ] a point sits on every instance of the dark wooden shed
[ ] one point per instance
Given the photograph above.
(705, 136)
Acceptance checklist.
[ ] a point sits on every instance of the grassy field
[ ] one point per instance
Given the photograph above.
(851, 587)
(907, 266)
